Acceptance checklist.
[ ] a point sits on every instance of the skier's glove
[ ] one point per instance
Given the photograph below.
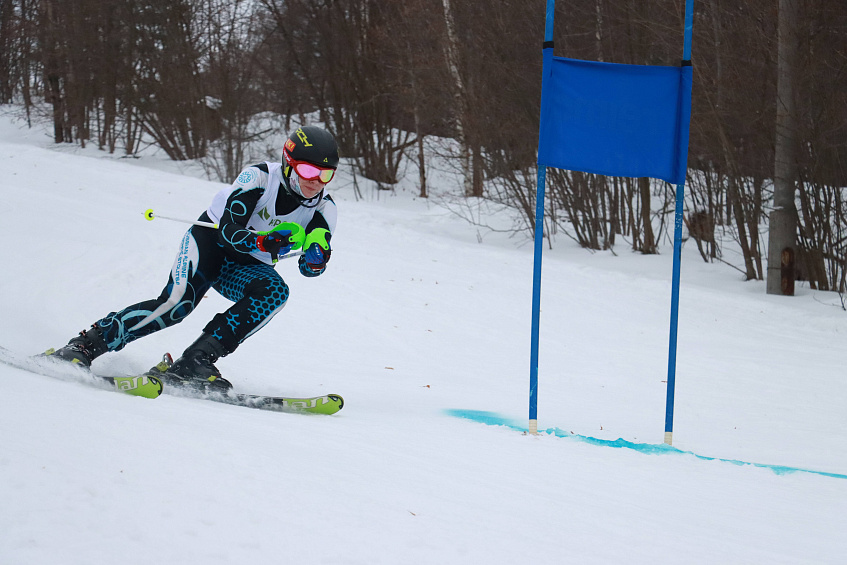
(317, 254)
(316, 257)
(276, 243)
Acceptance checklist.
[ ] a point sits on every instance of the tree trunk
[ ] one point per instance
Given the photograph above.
(783, 219)
(452, 53)
(648, 241)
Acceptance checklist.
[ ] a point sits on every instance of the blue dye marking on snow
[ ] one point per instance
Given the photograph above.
(493, 419)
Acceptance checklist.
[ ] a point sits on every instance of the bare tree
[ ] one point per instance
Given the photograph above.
(452, 51)
(384, 74)
(783, 218)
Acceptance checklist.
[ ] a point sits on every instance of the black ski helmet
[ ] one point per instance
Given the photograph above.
(314, 145)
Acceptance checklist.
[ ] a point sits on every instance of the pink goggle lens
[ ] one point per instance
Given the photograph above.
(308, 171)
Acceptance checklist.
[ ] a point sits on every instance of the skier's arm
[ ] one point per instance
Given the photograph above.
(318, 234)
(233, 224)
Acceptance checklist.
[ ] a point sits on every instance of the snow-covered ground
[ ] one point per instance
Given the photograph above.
(425, 332)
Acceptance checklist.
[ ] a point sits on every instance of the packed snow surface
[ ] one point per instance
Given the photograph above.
(422, 323)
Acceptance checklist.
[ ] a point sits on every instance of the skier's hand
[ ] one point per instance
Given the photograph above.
(276, 243)
(313, 261)
(317, 252)
(316, 257)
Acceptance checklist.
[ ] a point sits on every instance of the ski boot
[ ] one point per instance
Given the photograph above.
(81, 350)
(195, 369)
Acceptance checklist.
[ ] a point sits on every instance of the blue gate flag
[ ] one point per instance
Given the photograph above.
(615, 119)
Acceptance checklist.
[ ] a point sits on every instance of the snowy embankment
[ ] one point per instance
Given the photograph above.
(413, 319)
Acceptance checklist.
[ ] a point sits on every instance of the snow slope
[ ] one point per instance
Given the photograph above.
(425, 332)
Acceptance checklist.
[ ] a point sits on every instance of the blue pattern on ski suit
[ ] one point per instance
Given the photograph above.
(209, 258)
(258, 291)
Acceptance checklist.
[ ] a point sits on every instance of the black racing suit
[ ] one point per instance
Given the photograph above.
(219, 259)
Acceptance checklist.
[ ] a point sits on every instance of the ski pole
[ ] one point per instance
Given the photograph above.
(149, 215)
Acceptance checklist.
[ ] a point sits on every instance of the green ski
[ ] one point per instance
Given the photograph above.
(147, 386)
(326, 404)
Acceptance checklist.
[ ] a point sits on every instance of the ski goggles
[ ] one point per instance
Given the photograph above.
(308, 171)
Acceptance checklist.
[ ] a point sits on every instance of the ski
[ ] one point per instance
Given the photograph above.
(326, 404)
(147, 386)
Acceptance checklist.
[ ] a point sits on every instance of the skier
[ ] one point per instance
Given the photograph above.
(235, 261)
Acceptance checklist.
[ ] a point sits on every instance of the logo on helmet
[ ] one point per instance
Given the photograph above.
(289, 145)
(302, 135)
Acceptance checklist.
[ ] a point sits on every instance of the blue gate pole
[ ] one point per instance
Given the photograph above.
(539, 236)
(677, 254)
(536, 302)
